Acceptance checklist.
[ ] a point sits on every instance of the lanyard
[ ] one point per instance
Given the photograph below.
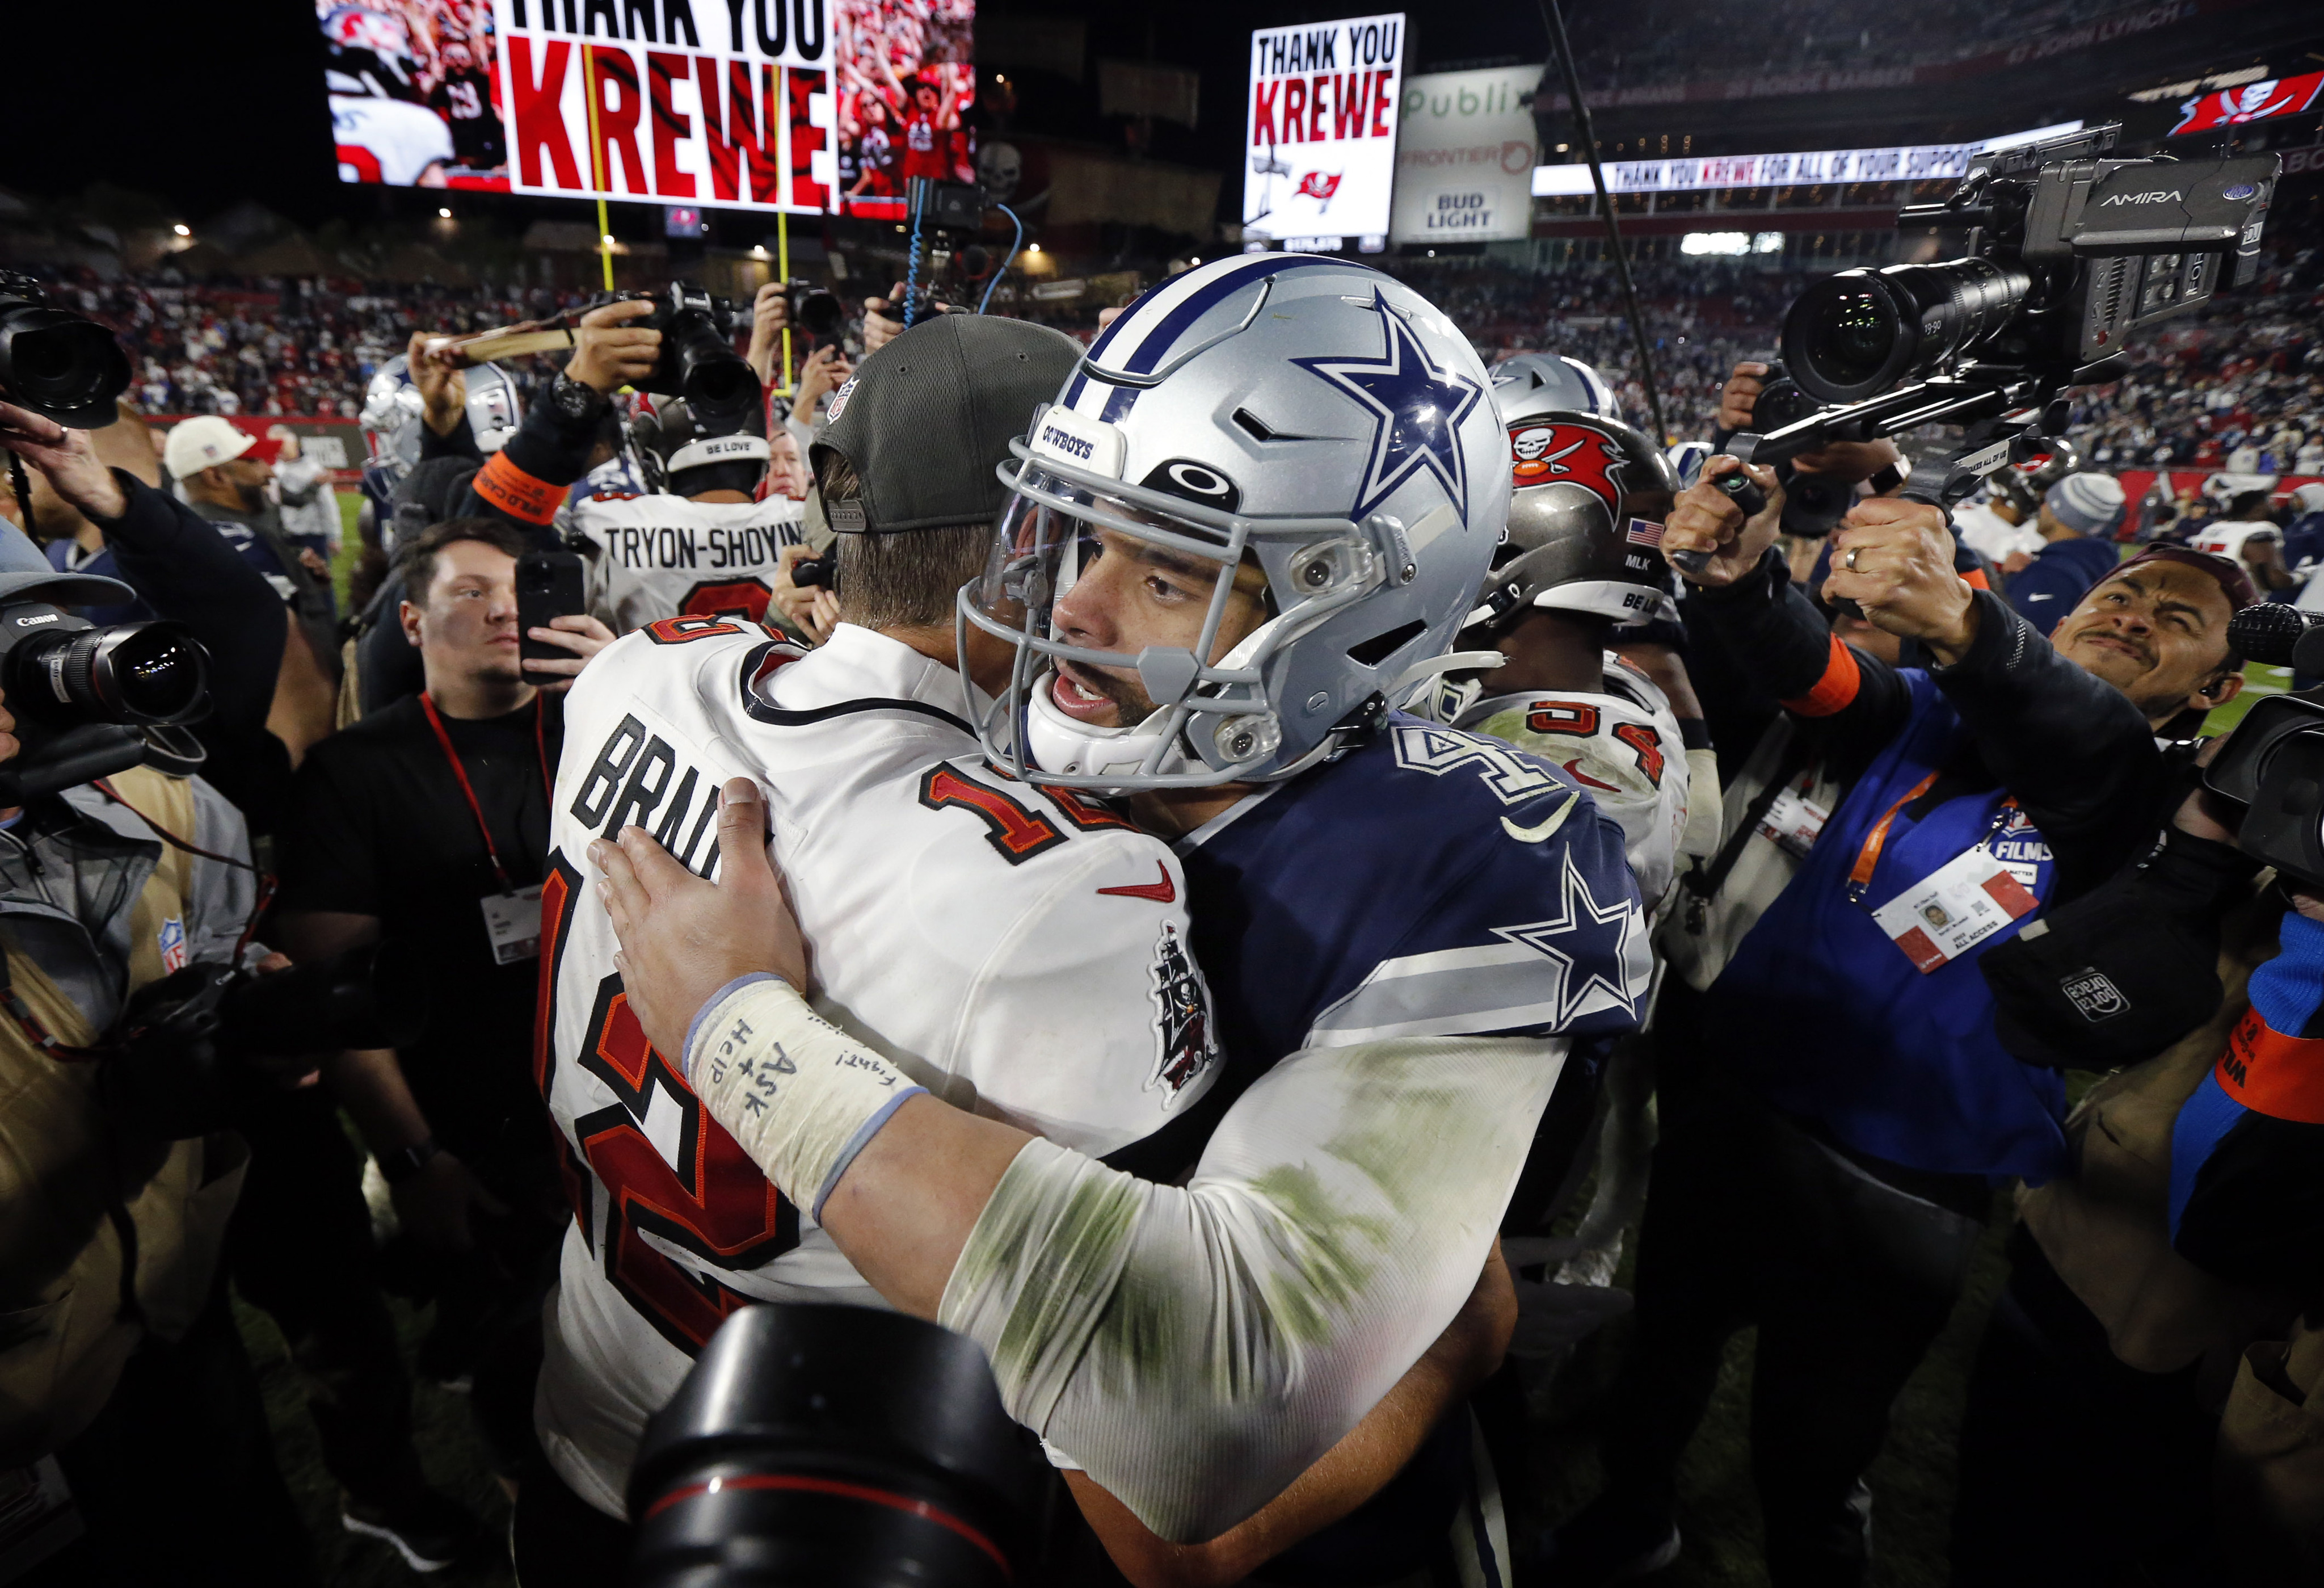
(539, 748)
(1859, 876)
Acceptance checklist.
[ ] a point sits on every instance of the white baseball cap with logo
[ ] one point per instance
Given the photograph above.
(203, 442)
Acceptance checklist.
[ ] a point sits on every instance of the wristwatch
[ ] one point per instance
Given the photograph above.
(575, 403)
(404, 1162)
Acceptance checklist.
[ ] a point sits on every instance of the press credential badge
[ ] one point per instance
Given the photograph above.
(1953, 908)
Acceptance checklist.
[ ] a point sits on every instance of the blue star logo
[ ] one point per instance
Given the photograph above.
(1417, 406)
(1627, 955)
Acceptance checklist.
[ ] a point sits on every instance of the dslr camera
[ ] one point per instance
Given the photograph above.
(698, 361)
(62, 365)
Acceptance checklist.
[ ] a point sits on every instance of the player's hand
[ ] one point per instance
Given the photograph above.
(608, 352)
(1740, 393)
(822, 617)
(581, 634)
(312, 561)
(771, 311)
(1704, 518)
(1903, 574)
(825, 370)
(439, 1201)
(443, 389)
(683, 938)
(68, 460)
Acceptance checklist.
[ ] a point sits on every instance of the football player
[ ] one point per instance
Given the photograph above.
(1234, 542)
(463, 96)
(704, 546)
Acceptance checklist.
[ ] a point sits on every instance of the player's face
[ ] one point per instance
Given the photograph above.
(1131, 594)
(2156, 632)
(468, 624)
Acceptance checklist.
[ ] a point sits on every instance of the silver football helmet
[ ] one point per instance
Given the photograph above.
(1528, 384)
(1300, 435)
(391, 414)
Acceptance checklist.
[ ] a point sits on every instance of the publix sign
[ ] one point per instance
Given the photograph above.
(1464, 158)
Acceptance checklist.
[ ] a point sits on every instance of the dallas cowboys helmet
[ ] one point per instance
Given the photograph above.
(1310, 424)
(1687, 458)
(1541, 383)
(391, 416)
(1586, 509)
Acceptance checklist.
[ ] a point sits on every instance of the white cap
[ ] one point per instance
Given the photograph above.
(2309, 498)
(201, 443)
(743, 448)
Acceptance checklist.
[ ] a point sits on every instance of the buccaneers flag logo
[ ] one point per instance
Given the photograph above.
(1544, 452)
(1316, 185)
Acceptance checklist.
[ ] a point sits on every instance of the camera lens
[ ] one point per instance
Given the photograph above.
(152, 672)
(818, 313)
(832, 1447)
(1857, 334)
(60, 365)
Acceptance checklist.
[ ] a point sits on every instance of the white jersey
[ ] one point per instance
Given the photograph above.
(2227, 538)
(1018, 952)
(391, 140)
(1622, 744)
(1992, 536)
(662, 556)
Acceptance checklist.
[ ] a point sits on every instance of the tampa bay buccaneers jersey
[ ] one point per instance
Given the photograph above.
(661, 556)
(1620, 742)
(1019, 952)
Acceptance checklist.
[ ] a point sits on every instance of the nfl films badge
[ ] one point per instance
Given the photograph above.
(2094, 993)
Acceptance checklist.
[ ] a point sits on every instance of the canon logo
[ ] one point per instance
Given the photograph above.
(2157, 197)
(40, 617)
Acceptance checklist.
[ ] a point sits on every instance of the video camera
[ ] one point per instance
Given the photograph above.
(834, 1447)
(2070, 254)
(62, 365)
(88, 701)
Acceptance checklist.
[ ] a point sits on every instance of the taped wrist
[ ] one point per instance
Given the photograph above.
(797, 1093)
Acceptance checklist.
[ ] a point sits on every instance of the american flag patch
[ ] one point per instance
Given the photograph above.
(1642, 533)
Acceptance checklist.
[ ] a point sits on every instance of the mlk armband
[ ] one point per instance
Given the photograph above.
(797, 1093)
(1196, 1348)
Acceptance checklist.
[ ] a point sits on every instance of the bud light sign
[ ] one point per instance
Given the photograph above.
(1465, 157)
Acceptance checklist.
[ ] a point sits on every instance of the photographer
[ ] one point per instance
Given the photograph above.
(122, 1360)
(1830, 1184)
(185, 569)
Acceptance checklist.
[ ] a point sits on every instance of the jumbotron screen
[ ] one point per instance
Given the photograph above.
(794, 105)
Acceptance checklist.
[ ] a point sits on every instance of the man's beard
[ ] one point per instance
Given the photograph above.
(253, 498)
(1132, 704)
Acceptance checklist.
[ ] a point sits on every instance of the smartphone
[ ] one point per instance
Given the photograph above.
(548, 584)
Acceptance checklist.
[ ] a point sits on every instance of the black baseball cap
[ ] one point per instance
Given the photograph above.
(928, 418)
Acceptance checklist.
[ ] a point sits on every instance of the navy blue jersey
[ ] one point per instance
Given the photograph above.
(1433, 882)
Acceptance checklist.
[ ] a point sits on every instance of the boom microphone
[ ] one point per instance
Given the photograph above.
(2273, 633)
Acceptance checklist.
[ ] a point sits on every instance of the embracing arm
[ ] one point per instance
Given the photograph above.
(1194, 1348)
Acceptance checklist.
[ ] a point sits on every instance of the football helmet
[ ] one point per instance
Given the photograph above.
(1528, 384)
(1302, 429)
(1588, 498)
(390, 417)
(2023, 484)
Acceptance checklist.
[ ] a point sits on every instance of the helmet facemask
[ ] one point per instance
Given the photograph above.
(1211, 722)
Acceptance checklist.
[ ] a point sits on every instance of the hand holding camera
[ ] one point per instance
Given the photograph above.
(1707, 524)
(436, 375)
(1894, 560)
(1740, 395)
(609, 352)
(66, 458)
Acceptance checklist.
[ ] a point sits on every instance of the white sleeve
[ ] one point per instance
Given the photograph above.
(1087, 1022)
(1196, 1348)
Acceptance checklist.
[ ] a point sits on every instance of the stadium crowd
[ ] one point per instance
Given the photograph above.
(1265, 1052)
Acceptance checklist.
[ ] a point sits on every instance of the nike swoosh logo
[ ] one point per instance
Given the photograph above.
(1574, 770)
(1536, 835)
(1164, 892)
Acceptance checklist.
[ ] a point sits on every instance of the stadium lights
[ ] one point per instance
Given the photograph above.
(607, 239)
(1715, 243)
(182, 229)
(443, 215)
(760, 252)
(1032, 248)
